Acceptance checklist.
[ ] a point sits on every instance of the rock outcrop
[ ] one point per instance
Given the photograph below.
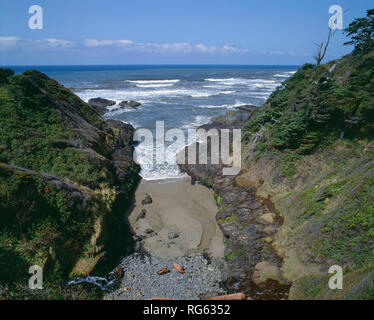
(130, 104)
(66, 179)
(100, 104)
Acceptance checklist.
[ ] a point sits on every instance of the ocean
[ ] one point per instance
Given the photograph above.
(183, 96)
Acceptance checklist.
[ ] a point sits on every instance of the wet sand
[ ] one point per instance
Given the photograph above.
(177, 207)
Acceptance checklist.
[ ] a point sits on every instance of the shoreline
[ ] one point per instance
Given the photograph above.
(179, 219)
(173, 221)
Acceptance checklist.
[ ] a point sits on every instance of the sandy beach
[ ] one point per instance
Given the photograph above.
(179, 221)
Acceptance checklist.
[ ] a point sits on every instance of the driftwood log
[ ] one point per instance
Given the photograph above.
(179, 268)
(234, 296)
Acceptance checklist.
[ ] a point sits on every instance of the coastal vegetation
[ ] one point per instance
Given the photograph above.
(66, 177)
(316, 134)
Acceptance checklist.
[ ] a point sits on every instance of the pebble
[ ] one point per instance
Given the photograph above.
(141, 281)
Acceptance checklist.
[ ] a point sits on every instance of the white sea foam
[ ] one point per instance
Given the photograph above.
(199, 121)
(215, 87)
(155, 85)
(119, 95)
(160, 91)
(202, 95)
(220, 80)
(241, 82)
(153, 81)
(119, 110)
(158, 171)
(285, 74)
(210, 94)
(227, 106)
(226, 92)
(217, 106)
(266, 85)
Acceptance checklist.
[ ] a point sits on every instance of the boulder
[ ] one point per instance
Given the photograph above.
(100, 104)
(130, 104)
(141, 214)
(147, 200)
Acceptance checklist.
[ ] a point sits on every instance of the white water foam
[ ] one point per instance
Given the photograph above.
(240, 81)
(155, 85)
(153, 81)
(157, 171)
(227, 106)
(285, 74)
(159, 91)
(138, 95)
(169, 169)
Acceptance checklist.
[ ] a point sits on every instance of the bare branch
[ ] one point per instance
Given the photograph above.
(322, 48)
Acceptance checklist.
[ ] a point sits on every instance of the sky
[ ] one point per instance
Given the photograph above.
(264, 32)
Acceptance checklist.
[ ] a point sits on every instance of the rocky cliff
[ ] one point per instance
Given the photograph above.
(310, 150)
(303, 200)
(66, 179)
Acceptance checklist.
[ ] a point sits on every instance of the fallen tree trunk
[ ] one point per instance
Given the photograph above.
(234, 296)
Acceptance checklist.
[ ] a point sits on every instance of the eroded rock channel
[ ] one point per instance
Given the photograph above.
(248, 223)
(214, 226)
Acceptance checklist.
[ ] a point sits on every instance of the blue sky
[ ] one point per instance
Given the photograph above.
(171, 31)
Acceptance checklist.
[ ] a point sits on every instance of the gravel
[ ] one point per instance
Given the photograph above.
(140, 281)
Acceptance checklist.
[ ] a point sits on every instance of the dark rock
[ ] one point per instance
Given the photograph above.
(141, 214)
(130, 104)
(248, 108)
(139, 238)
(147, 200)
(100, 104)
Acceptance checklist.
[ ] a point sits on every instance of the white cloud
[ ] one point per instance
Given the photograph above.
(279, 53)
(184, 47)
(153, 47)
(204, 48)
(106, 43)
(15, 43)
(54, 43)
(229, 48)
(9, 43)
(12, 43)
